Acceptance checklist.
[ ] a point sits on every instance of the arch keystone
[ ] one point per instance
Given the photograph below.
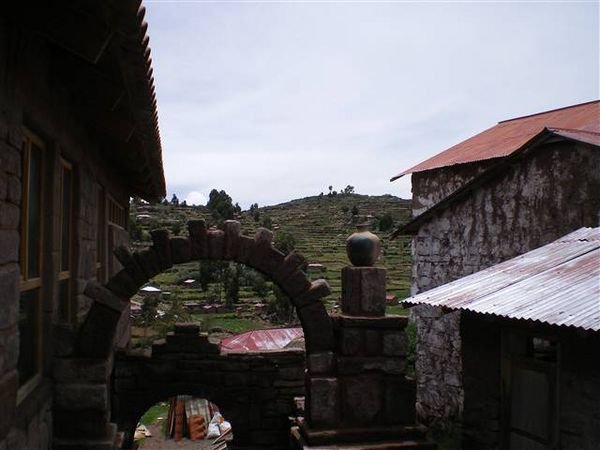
(215, 240)
(197, 231)
(231, 245)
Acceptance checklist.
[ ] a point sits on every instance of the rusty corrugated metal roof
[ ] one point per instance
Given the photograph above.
(258, 340)
(558, 284)
(510, 135)
(547, 134)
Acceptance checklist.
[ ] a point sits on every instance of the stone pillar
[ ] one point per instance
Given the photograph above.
(359, 393)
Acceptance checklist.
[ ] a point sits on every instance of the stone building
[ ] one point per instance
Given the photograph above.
(530, 334)
(512, 188)
(78, 137)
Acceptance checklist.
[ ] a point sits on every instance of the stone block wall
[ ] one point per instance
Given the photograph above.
(254, 391)
(538, 199)
(31, 99)
(10, 212)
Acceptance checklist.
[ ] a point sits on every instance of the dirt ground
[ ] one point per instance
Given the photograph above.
(158, 442)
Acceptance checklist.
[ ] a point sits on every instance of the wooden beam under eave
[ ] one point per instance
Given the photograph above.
(82, 33)
(117, 125)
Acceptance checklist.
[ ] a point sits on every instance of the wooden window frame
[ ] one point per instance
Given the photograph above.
(101, 238)
(117, 214)
(28, 284)
(65, 274)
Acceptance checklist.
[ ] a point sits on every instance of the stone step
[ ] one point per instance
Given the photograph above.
(299, 443)
(107, 442)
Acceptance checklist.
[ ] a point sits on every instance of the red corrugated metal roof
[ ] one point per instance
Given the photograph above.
(558, 284)
(258, 340)
(510, 135)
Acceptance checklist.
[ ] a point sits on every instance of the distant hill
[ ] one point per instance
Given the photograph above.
(320, 226)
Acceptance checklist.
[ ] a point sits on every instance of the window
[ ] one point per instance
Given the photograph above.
(116, 213)
(65, 299)
(30, 304)
(101, 236)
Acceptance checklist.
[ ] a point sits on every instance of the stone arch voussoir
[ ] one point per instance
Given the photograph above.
(99, 329)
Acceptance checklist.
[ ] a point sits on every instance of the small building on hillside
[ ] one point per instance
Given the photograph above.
(530, 341)
(78, 138)
(512, 188)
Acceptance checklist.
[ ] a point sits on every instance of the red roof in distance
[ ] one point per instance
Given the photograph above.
(260, 340)
(510, 135)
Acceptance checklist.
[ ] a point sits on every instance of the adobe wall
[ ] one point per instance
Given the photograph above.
(550, 193)
(254, 391)
(30, 97)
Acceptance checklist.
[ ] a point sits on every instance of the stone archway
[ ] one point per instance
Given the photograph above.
(85, 387)
(97, 333)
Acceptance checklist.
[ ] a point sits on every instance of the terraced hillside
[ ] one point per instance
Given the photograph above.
(320, 226)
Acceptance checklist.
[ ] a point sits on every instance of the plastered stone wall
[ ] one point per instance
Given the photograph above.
(430, 187)
(547, 194)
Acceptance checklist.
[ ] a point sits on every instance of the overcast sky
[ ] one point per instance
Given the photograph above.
(273, 101)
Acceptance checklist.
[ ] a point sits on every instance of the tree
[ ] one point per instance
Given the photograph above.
(284, 241)
(183, 204)
(355, 210)
(231, 281)
(345, 209)
(267, 222)
(176, 228)
(207, 273)
(348, 190)
(260, 286)
(220, 206)
(280, 305)
(386, 222)
(174, 200)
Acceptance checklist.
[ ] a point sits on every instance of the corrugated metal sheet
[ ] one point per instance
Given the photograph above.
(558, 284)
(509, 136)
(258, 340)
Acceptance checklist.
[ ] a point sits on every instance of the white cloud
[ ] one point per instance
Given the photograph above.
(195, 198)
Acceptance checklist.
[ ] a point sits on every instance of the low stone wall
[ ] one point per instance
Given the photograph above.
(254, 391)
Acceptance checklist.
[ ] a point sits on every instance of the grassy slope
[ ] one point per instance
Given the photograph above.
(321, 227)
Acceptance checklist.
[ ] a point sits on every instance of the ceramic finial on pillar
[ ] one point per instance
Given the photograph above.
(363, 247)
